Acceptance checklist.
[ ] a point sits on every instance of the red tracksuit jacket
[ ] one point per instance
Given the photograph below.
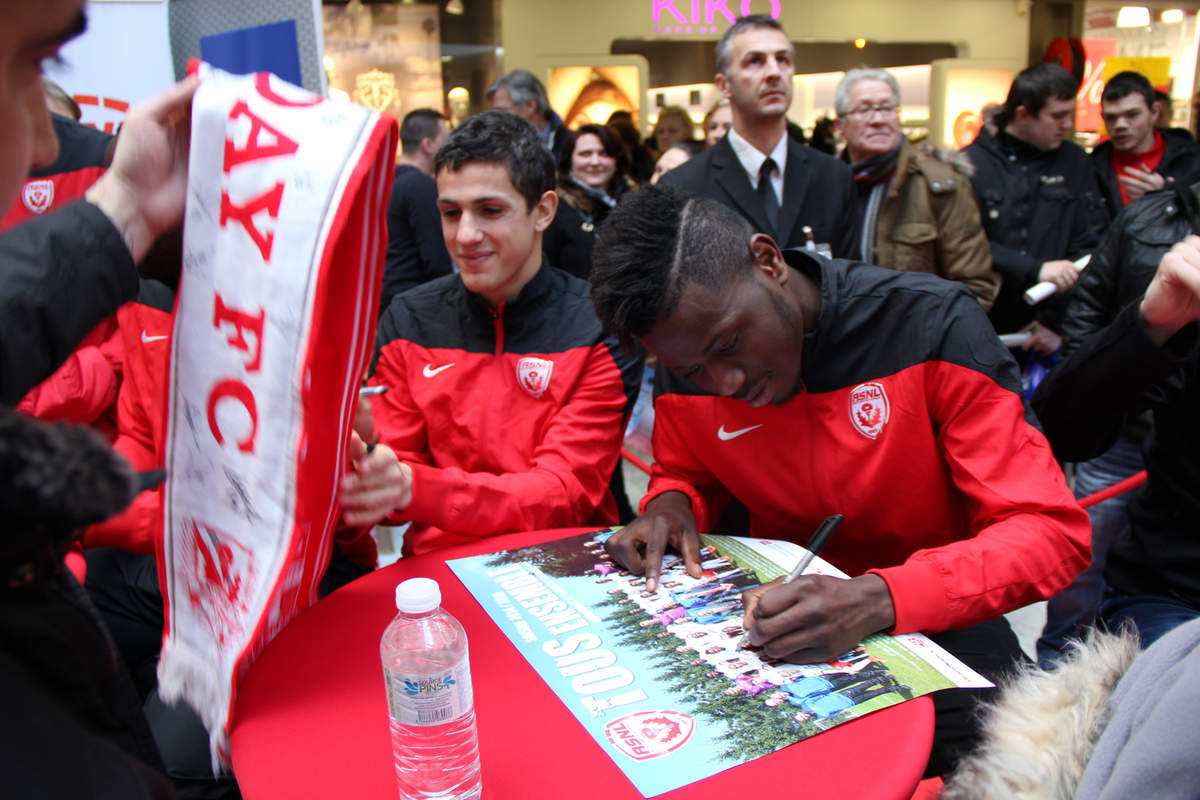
(912, 426)
(511, 418)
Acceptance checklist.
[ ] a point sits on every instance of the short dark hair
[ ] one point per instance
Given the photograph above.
(1126, 83)
(1034, 86)
(418, 126)
(749, 22)
(611, 144)
(499, 137)
(652, 245)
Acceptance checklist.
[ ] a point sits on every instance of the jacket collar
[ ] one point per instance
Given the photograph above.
(731, 177)
(531, 296)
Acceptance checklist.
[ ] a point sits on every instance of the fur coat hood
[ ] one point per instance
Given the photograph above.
(1042, 731)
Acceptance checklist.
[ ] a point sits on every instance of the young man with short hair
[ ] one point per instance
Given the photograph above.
(1037, 197)
(796, 194)
(805, 388)
(1138, 157)
(415, 251)
(505, 401)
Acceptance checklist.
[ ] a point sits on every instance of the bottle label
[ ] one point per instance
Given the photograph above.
(429, 699)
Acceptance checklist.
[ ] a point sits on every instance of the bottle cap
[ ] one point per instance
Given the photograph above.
(418, 595)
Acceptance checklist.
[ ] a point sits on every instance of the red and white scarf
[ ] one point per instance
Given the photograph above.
(284, 237)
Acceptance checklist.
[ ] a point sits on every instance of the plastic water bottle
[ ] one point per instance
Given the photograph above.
(428, 678)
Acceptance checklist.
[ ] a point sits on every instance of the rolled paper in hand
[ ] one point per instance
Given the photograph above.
(1015, 339)
(1043, 289)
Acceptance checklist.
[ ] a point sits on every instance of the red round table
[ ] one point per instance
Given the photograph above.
(311, 717)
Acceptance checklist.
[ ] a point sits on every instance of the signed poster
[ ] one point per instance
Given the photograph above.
(659, 681)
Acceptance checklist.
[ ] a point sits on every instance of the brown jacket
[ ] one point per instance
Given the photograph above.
(929, 222)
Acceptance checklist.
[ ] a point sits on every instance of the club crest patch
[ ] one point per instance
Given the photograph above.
(534, 374)
(38, 195)
(650, 734)
(869, 409)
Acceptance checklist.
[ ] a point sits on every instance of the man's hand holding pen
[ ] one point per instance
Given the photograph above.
(815, 617)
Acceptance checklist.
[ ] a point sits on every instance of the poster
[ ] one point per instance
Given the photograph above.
(659, 681)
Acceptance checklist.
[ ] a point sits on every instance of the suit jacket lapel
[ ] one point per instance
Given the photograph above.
(730, 175)
(795, 188)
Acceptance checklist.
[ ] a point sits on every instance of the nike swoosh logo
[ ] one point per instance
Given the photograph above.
(429, 371)
(725, 435)
(147, 339)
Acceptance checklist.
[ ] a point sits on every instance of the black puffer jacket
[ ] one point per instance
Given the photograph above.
(1036, 206)
(1121, 269)
(1180, 162)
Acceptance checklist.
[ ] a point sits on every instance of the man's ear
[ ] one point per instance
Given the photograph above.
(428, 147)
(544, 210)
(1156, 113)
(1021, 114)
(722, 84)
(768, 258)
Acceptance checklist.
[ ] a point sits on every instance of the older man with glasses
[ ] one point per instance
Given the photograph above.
(916, 207)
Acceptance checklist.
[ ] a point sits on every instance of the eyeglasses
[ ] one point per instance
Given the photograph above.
(866, 112)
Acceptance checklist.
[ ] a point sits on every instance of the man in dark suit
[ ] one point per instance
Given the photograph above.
(801, 197)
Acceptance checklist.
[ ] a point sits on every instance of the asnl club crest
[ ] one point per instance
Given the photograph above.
(38, 195)
(534, 375)
(650, 734)
(869, 409)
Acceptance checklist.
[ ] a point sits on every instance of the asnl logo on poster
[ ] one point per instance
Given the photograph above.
(702, 14)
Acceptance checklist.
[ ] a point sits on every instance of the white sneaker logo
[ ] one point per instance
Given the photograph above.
(148, 339)
(429, 371)
(725, 435)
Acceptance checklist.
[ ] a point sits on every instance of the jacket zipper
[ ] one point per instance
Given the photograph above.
(499, 324)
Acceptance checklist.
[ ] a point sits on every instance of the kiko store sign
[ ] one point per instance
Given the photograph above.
(703, 16)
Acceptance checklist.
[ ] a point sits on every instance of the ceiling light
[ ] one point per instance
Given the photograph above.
(454, 7)
(860, 43)
(1172, 15)
(1133, 17)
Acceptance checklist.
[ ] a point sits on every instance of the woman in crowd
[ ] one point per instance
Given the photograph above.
(591, 181)
(717, 122)
(673, 125)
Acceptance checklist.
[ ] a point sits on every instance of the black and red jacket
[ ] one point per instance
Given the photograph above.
(83, 155)
(146, 327)
(84, 388)
(511, 418)
(912, 426)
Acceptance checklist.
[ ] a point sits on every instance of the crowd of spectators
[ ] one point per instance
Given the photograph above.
(826, 336)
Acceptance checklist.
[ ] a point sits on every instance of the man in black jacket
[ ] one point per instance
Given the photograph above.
(1138, 158)
(806, 198)
(1037, 196)
(1147, 357)
(416, 253)
(78, 736)
(1119, 272)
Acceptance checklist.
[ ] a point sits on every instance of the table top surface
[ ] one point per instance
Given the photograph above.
(311, 717)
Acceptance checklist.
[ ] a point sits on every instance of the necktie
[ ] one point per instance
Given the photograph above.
(767, 193)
